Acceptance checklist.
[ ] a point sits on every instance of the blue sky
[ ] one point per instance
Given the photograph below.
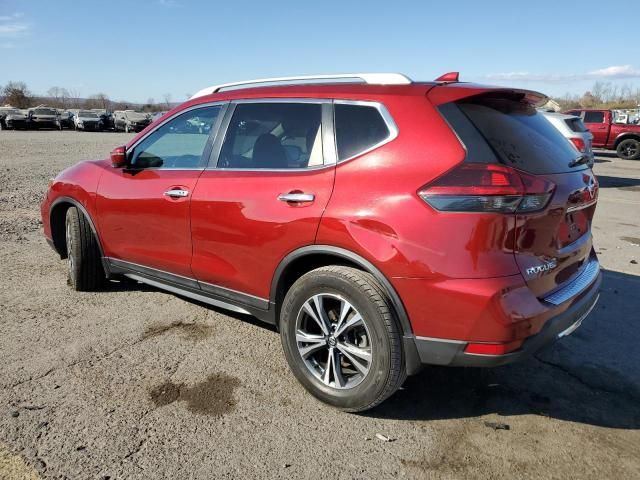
(143, 49)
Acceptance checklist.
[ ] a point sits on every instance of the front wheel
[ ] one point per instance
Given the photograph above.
(629, 149)
(341, 339)
(84, 264)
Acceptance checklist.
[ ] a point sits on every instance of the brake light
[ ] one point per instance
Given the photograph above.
(579, 144)
(484, 187)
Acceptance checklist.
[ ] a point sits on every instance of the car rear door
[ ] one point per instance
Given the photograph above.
(143, 210)
(264, 193)
(596, 122)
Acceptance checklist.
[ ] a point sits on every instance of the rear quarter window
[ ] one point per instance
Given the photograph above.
(359, 128)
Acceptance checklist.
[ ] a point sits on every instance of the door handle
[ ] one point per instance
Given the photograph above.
(296, 197)
(176, 193)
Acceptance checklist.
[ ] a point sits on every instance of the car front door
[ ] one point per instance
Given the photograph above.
(264, 194)
(143, 209)
(595, 121)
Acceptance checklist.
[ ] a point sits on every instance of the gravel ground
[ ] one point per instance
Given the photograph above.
(136, 383)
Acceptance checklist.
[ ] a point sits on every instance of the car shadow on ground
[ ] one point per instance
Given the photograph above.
(605, 181)
(591, 377)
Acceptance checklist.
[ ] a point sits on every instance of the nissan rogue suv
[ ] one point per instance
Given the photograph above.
(379, 223)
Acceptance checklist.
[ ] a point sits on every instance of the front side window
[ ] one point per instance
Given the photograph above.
(593, 117)
(273, 135)
(179, 143)
(358, 129)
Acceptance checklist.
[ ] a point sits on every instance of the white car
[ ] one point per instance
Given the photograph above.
(573, 130)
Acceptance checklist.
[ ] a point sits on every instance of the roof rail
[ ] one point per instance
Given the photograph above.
(371, 78)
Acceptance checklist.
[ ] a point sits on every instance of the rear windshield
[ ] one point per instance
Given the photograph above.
(576, 125)
(519, 135)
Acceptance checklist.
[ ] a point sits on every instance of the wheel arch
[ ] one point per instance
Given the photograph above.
(626, 136)
(57, 218)
(308, 258)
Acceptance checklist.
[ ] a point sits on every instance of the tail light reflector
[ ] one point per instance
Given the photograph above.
(484, 187)
(492, 348)
(579, 144)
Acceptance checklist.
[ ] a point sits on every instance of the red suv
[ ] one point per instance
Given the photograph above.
(380, 224)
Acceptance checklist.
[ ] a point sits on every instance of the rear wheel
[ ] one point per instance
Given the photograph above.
(84, 265)
(341, 339)
(629, 149)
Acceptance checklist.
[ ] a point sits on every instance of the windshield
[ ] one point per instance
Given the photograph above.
(44, 111)
(87, 114)
(10, 111)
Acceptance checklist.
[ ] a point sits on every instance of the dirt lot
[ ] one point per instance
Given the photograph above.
(136, 383)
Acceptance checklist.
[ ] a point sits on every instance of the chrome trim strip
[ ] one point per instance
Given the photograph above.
(583, 206)
(579, 284)
(386, 116)
(282, 100)
(442, 340)
(575, 325)
(208, 287)
(186, 293)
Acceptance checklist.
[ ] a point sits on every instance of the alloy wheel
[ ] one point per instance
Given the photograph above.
(334, 341)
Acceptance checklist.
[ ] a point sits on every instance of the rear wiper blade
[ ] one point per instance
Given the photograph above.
(582, 159)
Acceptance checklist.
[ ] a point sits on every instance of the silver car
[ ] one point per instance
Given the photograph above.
(574, 130)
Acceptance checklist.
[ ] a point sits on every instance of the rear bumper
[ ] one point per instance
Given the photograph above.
(437, 351)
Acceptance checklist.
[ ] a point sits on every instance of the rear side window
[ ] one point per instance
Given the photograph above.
(358, 128)
(517, 133)
(576, 125)
(593, 117)
(273, 136)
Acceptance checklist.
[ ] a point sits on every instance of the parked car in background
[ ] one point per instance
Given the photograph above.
(4, 111)
(130, 121)
(379, 225)
(573, 130)
(106, 118)
(623, 138)
(16, 119)
(87, 120)
(66, 119)
(157, 116)
(44, 117)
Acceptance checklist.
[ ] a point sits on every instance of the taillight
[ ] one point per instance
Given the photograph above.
(485, 187)
(579, 144)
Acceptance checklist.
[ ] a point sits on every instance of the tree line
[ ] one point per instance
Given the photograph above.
(18, 95)
(605, 95)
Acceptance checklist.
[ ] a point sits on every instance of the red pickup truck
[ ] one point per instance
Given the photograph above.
(623, 138)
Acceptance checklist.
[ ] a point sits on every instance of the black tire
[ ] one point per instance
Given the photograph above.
(629, 149)
(386, 371)
(84, 265)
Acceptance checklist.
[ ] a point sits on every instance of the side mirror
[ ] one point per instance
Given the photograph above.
(119, 157)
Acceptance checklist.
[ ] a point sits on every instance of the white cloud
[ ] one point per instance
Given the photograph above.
(614, 72)
(12, 27)
(13, 16)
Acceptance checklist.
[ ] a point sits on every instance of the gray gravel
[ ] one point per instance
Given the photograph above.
(136, 383)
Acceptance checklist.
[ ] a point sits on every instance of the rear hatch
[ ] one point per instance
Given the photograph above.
(552, 241)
